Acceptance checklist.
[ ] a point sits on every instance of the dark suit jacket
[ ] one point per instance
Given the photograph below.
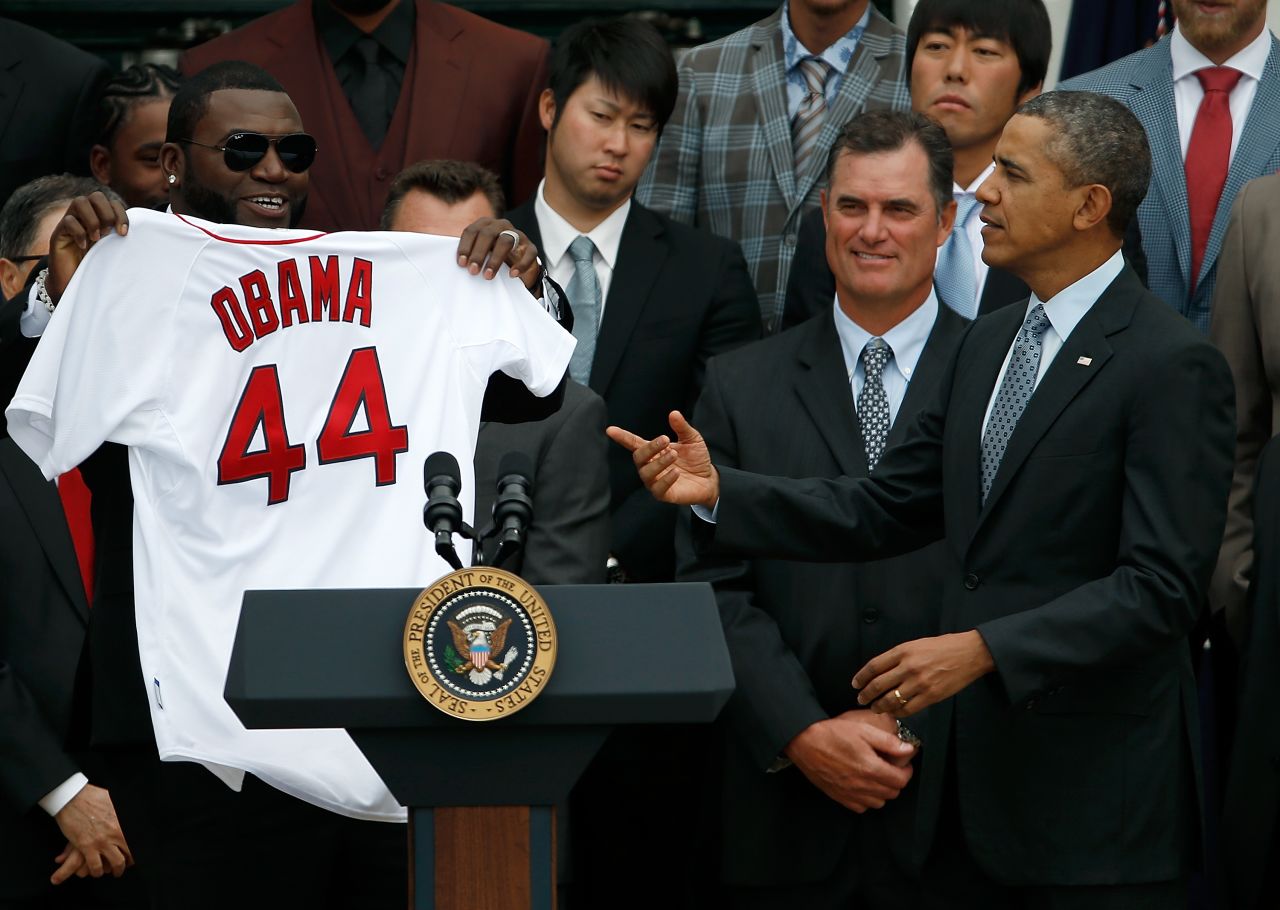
(797, 632)
(43, 615)
(48, 94)
(470, 92)
(568, 541)
(678, 296)
(1251, 806)
(1083, 572)
(811, 286)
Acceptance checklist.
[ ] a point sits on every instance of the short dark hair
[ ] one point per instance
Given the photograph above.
(1097, 139)
(449, 181)
(627, 55)
(887, 131)
(29, 203)
(191, 102)
(139, 83)
(1023, 24)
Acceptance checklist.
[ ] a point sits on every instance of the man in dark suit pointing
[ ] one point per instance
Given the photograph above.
(1077, 460)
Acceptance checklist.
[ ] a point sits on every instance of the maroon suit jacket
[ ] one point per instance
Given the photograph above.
(470, 92)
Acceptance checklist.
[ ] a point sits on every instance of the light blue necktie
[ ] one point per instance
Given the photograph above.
(584, 297)
(1015, 391)
(954, 274)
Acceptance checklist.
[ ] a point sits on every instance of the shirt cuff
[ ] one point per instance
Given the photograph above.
(707, 515)
(35, 317)
(56, 799)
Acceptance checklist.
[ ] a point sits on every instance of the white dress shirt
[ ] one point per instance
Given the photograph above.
(906, 339)
(1065, 310)
(1188, 93)
(557, 234)
(973, 228)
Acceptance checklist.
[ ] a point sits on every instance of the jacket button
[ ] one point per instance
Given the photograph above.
(870, 615)
(971, 581)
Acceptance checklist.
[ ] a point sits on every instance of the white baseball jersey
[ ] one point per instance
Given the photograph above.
(279, 392)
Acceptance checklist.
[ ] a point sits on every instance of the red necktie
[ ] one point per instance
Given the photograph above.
(1208, 155)
(75, 498)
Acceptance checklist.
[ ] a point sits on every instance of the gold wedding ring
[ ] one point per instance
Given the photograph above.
(901, 701)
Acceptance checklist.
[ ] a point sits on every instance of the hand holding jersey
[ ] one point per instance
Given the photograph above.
(270, 385)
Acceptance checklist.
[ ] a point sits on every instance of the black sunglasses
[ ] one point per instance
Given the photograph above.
(242, 151)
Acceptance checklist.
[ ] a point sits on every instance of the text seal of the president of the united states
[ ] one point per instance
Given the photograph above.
(479, 644)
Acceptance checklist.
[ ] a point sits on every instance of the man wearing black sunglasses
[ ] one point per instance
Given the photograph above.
(236, 153)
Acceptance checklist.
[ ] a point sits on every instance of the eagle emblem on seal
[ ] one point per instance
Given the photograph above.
(477, 643)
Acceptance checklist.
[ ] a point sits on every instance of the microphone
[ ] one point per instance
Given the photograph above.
(443, 513)
(513, 509)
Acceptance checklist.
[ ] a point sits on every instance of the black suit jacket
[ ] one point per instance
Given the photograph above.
(43, 616)
(678, 296)
(797, 631)
(567, 542)
(811, 286)
(48, 94)
(1251, 805)
(1083, 572)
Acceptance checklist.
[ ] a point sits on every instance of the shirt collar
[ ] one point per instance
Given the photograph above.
(557, 233)
(906, 339)
(395, 33)
(1250, 61)
(837, 55)
(1067, 307)
(972, 189)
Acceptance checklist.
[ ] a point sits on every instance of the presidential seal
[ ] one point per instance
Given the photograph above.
(479, 644)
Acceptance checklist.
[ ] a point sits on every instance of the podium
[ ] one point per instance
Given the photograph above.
(480, 795)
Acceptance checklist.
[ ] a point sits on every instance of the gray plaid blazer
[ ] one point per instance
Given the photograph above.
(725, 161)
(1143, 82)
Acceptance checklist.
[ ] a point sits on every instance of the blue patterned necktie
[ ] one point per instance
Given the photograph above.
(1015, 391)
(873, 403)
(584, 297)
(954, 274)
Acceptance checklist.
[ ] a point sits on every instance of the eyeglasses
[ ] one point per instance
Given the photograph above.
(242, 151)
(36, 258)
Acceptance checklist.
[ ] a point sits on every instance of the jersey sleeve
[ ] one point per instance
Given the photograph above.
(97, 374)
(499, 327)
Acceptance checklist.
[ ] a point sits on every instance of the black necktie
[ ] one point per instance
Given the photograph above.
(368, 92)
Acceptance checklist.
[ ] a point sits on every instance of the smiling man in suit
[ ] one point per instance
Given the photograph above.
(383, 83)
(1077, 459)
(840, 389)
(971, 65)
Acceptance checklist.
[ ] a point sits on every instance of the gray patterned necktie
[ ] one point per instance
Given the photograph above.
(812, 112)
(1015, 391)
(954, 274)
(873, 403)
(584, 297)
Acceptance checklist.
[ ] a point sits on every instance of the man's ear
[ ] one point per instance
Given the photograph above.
(10, 286)
(172, 162)
(100, 164)
(547, 109)
(1093, 209)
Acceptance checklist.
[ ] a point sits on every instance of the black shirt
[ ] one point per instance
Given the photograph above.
(373, 100)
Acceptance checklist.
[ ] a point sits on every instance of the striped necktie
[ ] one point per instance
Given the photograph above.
(812, 112)
(584, 297)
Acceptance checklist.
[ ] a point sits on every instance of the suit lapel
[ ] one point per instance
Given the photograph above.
(1082, 357)
(438, 61)
(823, 387)
(39, 500)
(1153, 105)
(933, 359)
(1258, 141)
(767, 65)
(642, 255)
(525, 217)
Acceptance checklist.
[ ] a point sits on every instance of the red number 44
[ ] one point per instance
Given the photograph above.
(262, 406)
